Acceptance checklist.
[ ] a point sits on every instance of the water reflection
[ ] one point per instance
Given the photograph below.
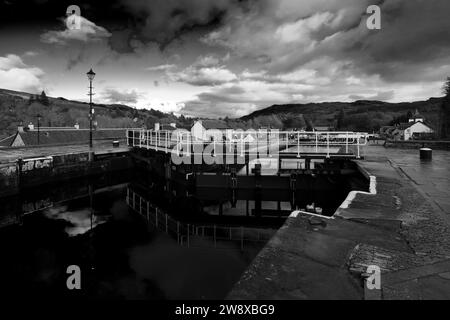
(79, 221)
(123, 254)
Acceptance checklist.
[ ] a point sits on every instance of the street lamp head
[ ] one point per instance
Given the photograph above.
(91, 75)
(39, 117)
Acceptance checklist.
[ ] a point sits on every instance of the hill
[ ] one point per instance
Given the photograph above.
(17, 107)
(358, 116)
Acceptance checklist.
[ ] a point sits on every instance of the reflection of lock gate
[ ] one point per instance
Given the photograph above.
(186, 232)
(286, 144)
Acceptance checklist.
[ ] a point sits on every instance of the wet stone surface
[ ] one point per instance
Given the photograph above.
(404, 229)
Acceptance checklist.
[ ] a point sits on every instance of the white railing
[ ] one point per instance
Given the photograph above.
(185, 232)
(250, 141)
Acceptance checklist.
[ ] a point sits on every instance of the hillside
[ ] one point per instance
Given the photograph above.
(358, 115)
(17, 107)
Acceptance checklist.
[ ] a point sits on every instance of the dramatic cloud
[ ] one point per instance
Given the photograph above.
(163, 20)
(231, 57)
(290, 33)
(16, 75)
(87, 32)
(88, 43)
(206, 71)
(317, 50)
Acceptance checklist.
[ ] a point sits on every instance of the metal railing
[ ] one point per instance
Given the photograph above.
(250, 142)
(185, 233)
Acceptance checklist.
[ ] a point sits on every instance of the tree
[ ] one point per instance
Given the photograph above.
(341, 120)
(444, 116)
(295, 122)
(409, 115)
(44, 99)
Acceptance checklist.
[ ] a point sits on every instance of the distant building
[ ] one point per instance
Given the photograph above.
(200, 128)
(417, 117)
(165, 126)
(323, 128)
(415, 128)
(6, 142)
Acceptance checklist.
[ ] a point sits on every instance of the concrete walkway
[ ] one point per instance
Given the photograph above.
(404, 229)
(100, 147)
(431, 177)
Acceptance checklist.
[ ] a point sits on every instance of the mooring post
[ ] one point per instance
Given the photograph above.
(19, 173)
(19, 187)
(307, 164)
(257, 173)
(293, 187)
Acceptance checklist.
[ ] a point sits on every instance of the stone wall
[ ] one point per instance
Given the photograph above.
(33, 172)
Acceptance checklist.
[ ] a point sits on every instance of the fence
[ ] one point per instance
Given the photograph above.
(185, 232)
(249, 142)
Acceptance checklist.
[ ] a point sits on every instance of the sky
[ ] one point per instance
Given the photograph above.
(226, 57)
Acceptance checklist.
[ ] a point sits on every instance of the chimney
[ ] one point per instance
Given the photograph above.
(20, 127)
(76, 126)
(157, 126)
(31, 126)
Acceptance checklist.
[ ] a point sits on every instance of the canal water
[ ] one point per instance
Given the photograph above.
(121, 251)
(132, 239)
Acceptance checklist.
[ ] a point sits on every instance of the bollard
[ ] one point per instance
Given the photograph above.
(426, 154)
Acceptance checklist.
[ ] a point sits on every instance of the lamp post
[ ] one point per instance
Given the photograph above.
(91, 76)
(39, 117)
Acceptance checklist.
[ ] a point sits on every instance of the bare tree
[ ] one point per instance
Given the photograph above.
(444, 116)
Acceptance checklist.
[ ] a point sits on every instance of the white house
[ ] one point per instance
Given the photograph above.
(199, 130)
(416, 126)
(413, 128)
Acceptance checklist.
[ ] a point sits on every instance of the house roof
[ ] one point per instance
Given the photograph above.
(323, 128)
(215, 124)
(404, 126)
(51, 137)
(6, 142)
(167, 127)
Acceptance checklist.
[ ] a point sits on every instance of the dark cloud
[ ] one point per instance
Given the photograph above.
(414, 34)
(281, 51)
(164, 20)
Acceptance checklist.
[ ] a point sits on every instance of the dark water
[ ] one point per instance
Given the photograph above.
(122, 251)
(134, 238)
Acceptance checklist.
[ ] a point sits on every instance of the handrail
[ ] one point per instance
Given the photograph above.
(181, 230)
(323, 142)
